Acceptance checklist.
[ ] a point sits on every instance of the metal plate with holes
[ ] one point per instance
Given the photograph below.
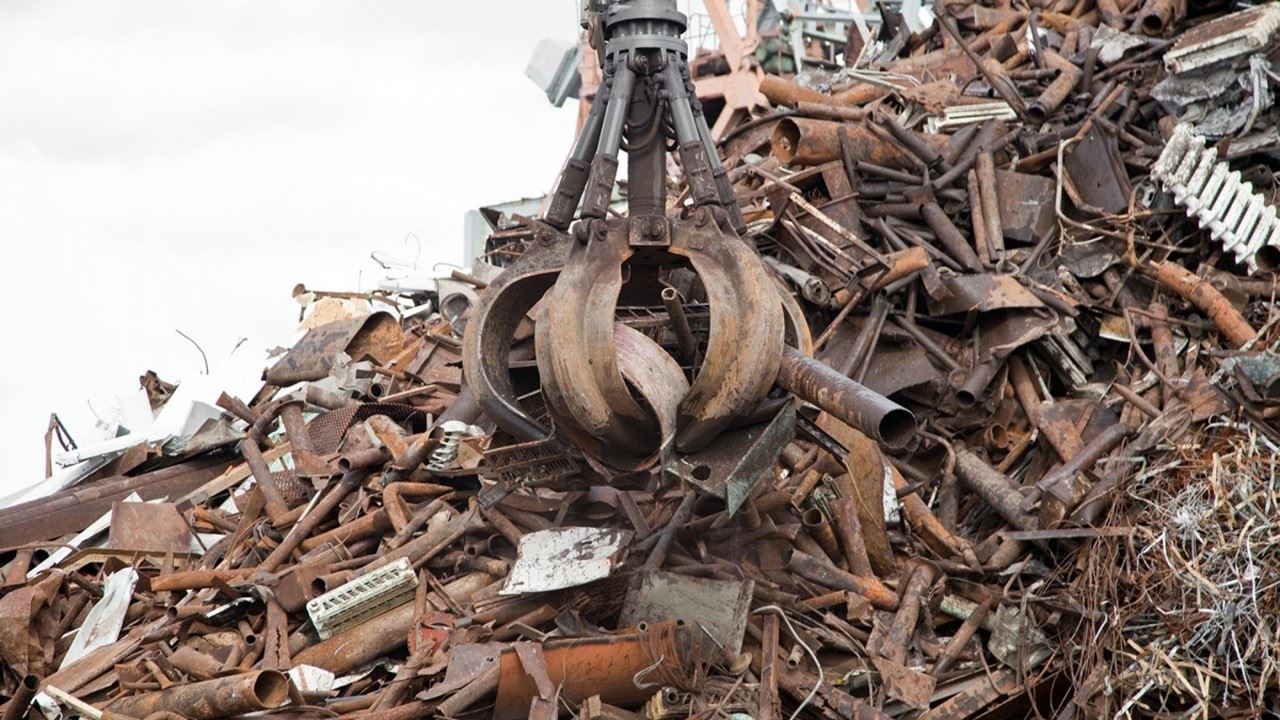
(731, 467)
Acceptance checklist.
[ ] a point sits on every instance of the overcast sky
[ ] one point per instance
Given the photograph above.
(177, 164)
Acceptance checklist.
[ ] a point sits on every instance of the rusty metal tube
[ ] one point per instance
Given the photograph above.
(904, 622)
(853, 403)
(913, 142)
(368, 641)
(275, 504)
(844, 512)
(962, 637)
(195, 663)
(975, 381)
(306, 462)
(950, 237)
(423, 548)
(420, 518)
(327, 399)
(390, 434)
(196, 579)
(781, 91)
(680, 323)
(212, 699)
(1039, 110)
(995, 488)
(992, 227)
(823, 111)
(1059, 481)
(1157, 15)
(828, 575)
(295, 426)
(367, 459)
(17, 707)
(817, 525)
(801, 141)
(304, 527)
(395, 494)
(373, 524)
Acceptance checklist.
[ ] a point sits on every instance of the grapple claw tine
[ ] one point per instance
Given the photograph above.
(486, 344)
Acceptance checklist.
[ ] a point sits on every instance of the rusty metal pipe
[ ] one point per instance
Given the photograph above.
(668, 535)
(1059, 482)
(853, 403)
(309, 522)
(196, 579)
(368, 641)
(390, 434)
(926, 342)
(394, 495)
(817, 525)
(1039, 110)
(17, 707)
(368, 459)
(844, 513)
(373, 524)
(987, 141)
(950, 237)
(212, 699)
(995, 488)
(327, 399)
(503, 525)
(195, 663)
(828, 575)
(295, 426)
(914, 143)
(781, 91)
(1157, 15)
(680, 324)
(962, 637)
(868, 335)
(993, 229)
(237, 407)
(823, 111)
(423, 548)
(976, 380)
(904, 621)
(960, 142)
(306, 461)
(275, 504)
(801, 141)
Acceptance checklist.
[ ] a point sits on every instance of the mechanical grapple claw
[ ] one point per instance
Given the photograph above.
(613, 391)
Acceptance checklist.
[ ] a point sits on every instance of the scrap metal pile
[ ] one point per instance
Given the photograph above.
(939, 383)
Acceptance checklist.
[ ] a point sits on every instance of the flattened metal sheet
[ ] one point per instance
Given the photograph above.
(565, 557)
(720, 607)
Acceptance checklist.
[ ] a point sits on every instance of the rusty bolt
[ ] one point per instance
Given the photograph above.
(657, 228)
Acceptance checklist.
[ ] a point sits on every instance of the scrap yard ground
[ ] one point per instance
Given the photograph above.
(912, 363)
